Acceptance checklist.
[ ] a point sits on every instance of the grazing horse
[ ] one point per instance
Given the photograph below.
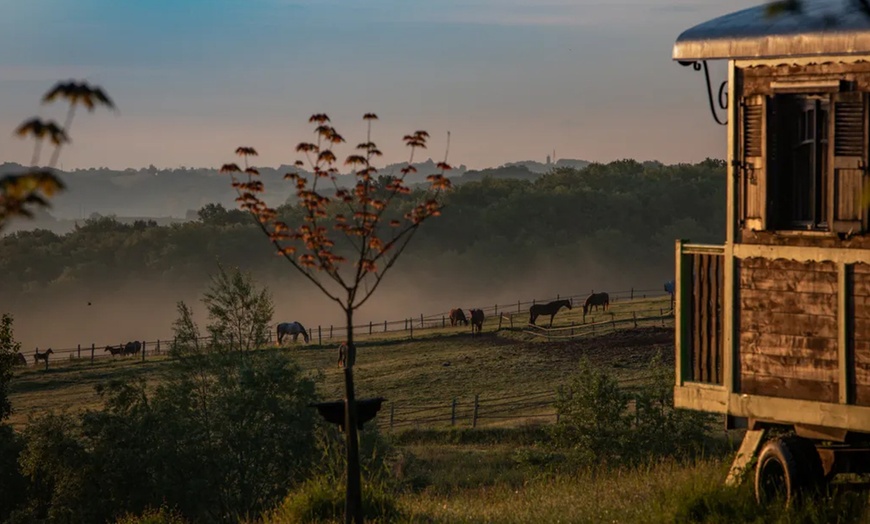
(291, 328)
(115, 350)
(457, 316)
(595, 300)
(37, 356)
(476, 320)
(131, 348)
(20, 360)
(550, 308)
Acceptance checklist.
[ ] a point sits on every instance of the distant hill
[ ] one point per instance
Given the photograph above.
(153, 192)
(525, 170)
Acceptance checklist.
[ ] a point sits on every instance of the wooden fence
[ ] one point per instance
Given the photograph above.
(481, 410)
(497, 317)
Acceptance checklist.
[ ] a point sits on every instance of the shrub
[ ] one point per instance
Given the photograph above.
(161, 515)
(321, 499)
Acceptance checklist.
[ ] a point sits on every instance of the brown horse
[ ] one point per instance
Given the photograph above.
(595, 300)
(550, 308)
(476, 320)
(457, 316)
(131, 348)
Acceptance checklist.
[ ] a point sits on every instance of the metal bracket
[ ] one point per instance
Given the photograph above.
(722, 98)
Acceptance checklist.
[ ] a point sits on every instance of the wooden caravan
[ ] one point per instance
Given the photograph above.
(773, 327)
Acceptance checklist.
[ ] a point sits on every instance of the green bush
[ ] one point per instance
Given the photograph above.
(162, 515)
(321, 499)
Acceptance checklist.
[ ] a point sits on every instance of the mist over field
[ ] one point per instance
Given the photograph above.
(507, 234)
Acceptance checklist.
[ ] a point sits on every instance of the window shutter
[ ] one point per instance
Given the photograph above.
(847, 172)
(753, 177)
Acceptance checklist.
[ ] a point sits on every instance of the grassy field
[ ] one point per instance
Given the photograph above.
(499, 473)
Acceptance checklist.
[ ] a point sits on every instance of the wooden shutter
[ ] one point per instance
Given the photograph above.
(848, 161)
(753, 176)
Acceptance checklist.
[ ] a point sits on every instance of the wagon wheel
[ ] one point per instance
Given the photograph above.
(787, 468)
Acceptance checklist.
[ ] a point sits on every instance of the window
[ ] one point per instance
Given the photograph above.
(799, 162)
(804, 162)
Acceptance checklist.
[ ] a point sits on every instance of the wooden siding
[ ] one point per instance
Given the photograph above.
(859, 329)
(706, 318)
(788, 329)
(757, 80)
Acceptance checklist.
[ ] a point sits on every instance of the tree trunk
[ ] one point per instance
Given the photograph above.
(353, 496)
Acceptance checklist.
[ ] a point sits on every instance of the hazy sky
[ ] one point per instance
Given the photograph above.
(510, 79)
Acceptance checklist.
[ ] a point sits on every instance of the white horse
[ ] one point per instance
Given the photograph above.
(291, 328)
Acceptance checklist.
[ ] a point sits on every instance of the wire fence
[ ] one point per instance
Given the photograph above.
(513, 316)
(479, 410)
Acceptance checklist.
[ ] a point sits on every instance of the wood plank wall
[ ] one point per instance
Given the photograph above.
(788, 329)
(859, 328)
(706, 325)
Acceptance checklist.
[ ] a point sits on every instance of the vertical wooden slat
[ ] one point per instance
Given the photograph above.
(683, 314)
(697, 315)
(844, 354)
(714, 319)
(704, 317)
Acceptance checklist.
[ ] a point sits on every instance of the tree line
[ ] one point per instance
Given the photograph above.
(614, 214)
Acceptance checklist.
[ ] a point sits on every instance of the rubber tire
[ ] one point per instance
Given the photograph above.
(790, 466)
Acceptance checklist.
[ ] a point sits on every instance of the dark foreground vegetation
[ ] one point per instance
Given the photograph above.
(603, 215)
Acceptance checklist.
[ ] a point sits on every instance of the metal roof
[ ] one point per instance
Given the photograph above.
(823, 27)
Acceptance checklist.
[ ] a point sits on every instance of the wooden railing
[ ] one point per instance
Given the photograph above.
(700, 275)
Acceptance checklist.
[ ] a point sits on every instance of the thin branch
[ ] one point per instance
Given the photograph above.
(387, 267)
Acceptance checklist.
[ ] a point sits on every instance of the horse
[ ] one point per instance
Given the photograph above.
(131, 348)
(670, 287)
(115, 350)
(291, 328)
(37, 356)
(550, 308)
(476, 320)
(20, 360)
(457, 316)
(595, 300)
(346, 358)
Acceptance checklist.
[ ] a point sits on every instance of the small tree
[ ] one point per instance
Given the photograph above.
(9, 352)
(21, 194)
(239, 313)
(348, 241)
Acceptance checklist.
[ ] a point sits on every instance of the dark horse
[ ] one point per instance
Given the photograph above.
(476, 320)
(550, 308)
(131, 348)
(20, 360)
(595, 300)
(37, 356)
(291, 328)
(115, 350)
(457, 316)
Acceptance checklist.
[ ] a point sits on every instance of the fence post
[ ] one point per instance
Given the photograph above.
(496, 310)
(143, 351)
(406, 324)
(370, 327)
(632, 293)
(558, 297)
(392, 414)
(518, 307)
(474, 413)
(80, 352)
(92, 352)
(634, 316)
(443, 322)
(662, 314)
(320, 335)
(453, 413)
(499, 322)
(158, 345)
(330, 332)
(412, 330)
(512, 321)
(421, 321)
(385, 326)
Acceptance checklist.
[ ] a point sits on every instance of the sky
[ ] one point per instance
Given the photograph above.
(509, 80)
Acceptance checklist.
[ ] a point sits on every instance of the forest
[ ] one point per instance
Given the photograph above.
(619, 218)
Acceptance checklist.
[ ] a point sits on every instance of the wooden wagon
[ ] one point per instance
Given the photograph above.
(773, 327)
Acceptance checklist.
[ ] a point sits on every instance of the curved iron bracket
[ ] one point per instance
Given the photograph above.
(722, 97)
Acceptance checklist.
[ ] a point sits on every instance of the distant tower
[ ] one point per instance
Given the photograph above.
(548, 159)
